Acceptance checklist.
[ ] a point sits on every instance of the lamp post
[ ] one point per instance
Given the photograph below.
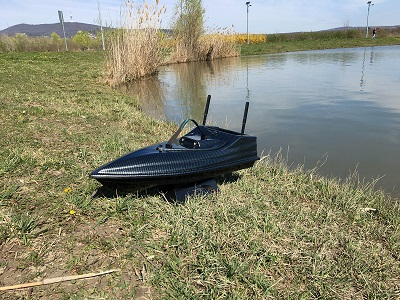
(369, 5)
(248, 4)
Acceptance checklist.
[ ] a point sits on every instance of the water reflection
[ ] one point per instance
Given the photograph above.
(151, 96)
(314, 103)
(362, 82)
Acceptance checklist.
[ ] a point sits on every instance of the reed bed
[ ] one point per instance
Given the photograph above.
(139, 46)
(135, 47)
(218, 45)
(209, 46)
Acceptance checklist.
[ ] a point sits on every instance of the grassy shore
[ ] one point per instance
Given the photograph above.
(272, 232)
(315, 44)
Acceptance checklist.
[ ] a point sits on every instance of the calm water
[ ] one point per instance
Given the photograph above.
(342, 105)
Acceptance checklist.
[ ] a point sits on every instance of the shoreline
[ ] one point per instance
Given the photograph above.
(293, 46)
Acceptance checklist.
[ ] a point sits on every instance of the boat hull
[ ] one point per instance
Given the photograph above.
(144, 182)
(205, 152)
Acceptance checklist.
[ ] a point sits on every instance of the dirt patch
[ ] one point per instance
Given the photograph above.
(82, 249)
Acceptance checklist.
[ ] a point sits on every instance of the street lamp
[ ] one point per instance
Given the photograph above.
(369, 5)
(248, 4)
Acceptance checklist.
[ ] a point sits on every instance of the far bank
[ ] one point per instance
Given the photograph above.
(270, 47)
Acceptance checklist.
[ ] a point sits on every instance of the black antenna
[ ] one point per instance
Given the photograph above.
(206, 109)
(246, 109)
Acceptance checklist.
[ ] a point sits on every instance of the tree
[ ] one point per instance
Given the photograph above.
(21, 42)
(56, 41)
(188, 27)
(83, 40)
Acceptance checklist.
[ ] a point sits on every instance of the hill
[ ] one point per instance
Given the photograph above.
(71, 28)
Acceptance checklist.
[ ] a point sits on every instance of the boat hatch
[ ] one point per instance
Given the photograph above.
(193, 143)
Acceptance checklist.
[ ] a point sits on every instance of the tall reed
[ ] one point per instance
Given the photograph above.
(135, 47)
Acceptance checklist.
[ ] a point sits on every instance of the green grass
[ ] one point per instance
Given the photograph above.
(285, 45)
(271, 232)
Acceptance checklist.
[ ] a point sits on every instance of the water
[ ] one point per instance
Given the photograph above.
(340, 107)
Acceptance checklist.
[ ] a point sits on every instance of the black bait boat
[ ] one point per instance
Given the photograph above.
(187, 164)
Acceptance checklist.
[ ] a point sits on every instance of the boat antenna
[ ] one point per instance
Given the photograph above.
(246, 109)
(206, 109)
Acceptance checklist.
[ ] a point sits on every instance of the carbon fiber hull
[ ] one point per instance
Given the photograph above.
(203, 153)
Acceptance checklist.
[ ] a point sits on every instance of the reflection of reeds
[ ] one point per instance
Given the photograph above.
(192, 88)
(188, 93)
(150, 94)
(134, 48)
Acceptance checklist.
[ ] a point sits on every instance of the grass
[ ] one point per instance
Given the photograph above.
(273, 231)
(285, 45)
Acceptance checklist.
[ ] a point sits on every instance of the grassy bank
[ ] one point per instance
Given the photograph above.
(272, 232)
(303, 45)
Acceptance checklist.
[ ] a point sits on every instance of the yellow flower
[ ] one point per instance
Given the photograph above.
(72, 212)
(67, 190)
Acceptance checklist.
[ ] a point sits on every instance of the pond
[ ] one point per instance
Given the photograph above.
(337, 109)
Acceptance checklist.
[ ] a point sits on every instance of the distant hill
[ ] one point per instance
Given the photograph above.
(71, 28)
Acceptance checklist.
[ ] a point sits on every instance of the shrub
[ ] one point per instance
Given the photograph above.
(21, 42)
(253, 38)
(56, 42)
(83, 40)
(190, 41)
(6, 43)
(188, 28)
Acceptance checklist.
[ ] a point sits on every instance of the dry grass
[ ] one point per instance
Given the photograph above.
(139, 47)
(135, 50)
(209, 46)
(218, 45)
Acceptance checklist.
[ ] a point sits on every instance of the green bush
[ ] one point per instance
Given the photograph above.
(23, 43)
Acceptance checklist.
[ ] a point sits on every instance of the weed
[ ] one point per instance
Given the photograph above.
(8, 193)
(23, 225)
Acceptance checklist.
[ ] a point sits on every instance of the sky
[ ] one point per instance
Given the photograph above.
(264, 16)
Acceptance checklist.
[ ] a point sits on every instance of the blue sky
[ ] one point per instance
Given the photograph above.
(265, 16)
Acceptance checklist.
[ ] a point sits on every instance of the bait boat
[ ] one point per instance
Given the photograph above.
(198, 156)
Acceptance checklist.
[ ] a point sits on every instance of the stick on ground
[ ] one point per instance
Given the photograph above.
(55, 280)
